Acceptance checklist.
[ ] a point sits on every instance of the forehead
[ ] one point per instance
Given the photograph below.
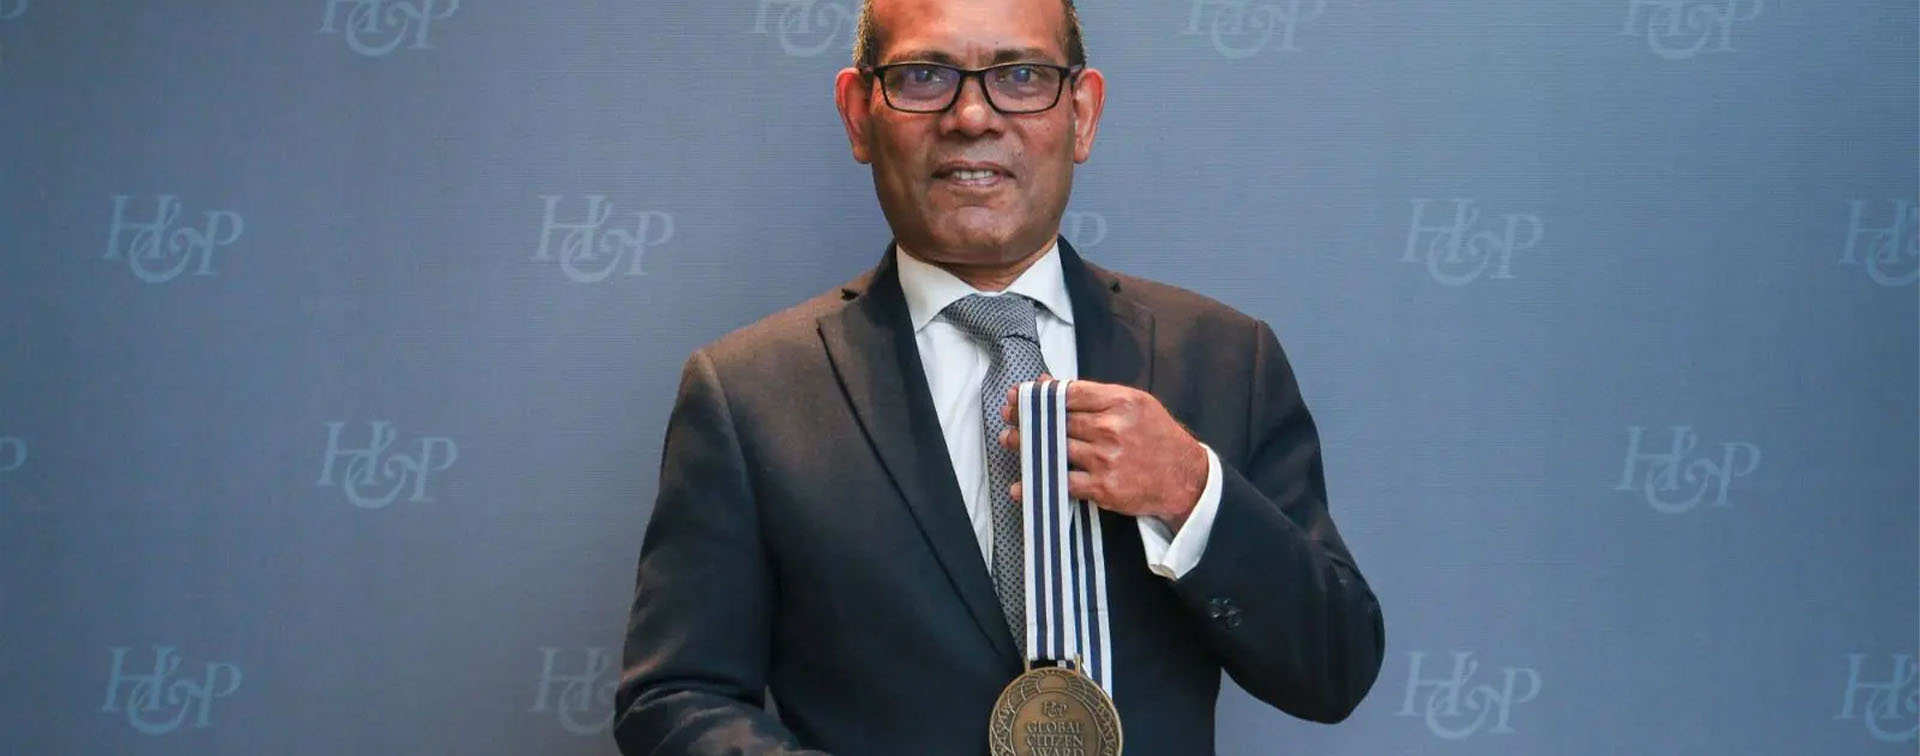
(970, 32)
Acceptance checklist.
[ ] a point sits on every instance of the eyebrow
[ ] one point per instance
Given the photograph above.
(1003, 55)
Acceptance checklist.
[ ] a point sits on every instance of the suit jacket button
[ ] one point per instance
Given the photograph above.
(1220, 608)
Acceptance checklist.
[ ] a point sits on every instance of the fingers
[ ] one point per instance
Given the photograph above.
(1093, 396)
(1083, 455)
(1090, 427)
(1082, 397)
(1080, 485)
(1011, 411)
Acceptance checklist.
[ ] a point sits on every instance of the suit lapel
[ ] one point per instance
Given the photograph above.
(1113, 334)
(870, 343)
(871, 346)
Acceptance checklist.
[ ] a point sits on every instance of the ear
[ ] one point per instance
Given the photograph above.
(1089, 99)
(853, 95)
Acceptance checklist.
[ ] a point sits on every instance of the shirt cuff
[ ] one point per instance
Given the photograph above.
(1172, 555)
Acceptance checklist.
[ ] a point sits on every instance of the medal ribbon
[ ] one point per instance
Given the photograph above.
(1066, 558)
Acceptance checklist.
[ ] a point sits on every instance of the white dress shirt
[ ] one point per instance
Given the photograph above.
(956, 365)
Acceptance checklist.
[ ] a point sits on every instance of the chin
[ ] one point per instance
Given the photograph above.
(976, 246)
(975, 228)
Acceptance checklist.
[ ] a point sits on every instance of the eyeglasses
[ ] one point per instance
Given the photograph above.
(1011, 88)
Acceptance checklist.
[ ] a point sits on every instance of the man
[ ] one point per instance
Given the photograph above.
(826, 524)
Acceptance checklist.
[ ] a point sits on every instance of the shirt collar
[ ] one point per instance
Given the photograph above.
(930, 288)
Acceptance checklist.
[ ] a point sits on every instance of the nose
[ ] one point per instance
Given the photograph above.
(971, 114)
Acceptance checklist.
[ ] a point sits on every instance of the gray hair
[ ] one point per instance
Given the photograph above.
(866, 37)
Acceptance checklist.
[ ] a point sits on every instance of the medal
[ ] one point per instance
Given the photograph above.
(1062, 705)
(1054, 710)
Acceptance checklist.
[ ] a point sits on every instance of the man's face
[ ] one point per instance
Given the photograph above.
(971, 186)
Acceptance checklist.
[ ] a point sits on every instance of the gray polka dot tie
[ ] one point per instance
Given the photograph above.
(1005, 326)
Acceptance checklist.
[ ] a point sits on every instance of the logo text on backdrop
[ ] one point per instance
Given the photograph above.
(1681, 29)
(165, 699)
(1456, 711)
(375, 475)
(13, 453)
(806, 28)
(592, 247)
(156, 251)
(1085, 229)
(1889, 708)
(374, 28)
(582, 700)
(1457, 249)
(1889, 247)
(1242, 28)
(1674, 481)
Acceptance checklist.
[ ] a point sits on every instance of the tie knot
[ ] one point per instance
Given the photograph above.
(992, 318)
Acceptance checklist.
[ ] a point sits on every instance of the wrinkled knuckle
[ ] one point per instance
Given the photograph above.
(1096, 458)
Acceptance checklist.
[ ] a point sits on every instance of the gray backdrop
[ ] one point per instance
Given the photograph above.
(337, 339)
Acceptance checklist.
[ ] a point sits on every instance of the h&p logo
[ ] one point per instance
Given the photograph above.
(1674, 481)
(1241, 28)
(1681, 29)
(1085, 228)
(591, 248)
(582, 700)
(1458, 249)
(13, 453)
(1891, 707)
(163, 700)
(805, 28)
(1455, 711)
(158, 252)
(1891, 252)
(374, 28)
(375, 475)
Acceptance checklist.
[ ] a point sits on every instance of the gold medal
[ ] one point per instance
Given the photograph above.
(1054, 711)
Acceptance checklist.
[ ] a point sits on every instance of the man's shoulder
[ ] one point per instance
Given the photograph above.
(1177, 310)
(789, 334)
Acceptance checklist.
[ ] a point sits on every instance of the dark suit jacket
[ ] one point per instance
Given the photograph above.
(809, 538)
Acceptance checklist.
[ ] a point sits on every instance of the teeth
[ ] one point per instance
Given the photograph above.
(966, 175)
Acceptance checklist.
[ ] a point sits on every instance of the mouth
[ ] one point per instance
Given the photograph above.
(972, 175)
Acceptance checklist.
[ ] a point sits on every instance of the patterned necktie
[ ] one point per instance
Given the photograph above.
(1005, 326)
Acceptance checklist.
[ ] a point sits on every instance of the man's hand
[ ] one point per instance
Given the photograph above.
(1125, 453)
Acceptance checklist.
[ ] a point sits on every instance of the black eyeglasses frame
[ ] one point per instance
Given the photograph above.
(1069, 75)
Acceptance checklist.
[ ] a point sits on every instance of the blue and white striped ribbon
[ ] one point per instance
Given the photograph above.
(1066, 558)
